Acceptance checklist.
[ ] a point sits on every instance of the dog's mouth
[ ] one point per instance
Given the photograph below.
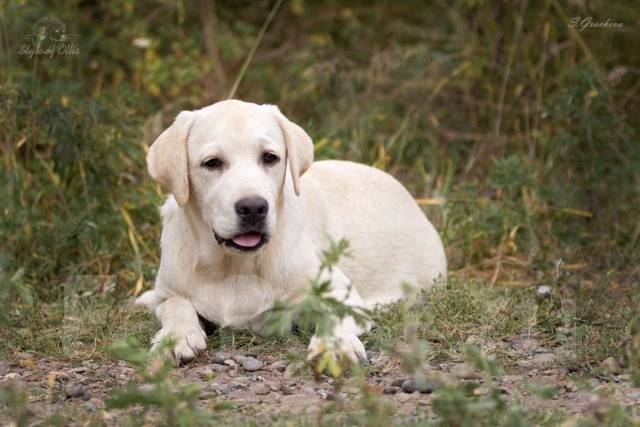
(244, 242)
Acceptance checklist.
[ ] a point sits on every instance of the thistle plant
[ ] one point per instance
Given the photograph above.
(317, 311)
(175, 404)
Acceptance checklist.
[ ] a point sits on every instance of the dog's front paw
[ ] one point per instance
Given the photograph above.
(188, 342)
(338, 348)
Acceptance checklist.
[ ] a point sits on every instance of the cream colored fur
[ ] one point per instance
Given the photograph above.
(391, 240)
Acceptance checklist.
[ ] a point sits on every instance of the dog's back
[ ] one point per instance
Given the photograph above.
(391, 240)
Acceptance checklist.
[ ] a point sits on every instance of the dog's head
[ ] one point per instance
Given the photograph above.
(229, 161)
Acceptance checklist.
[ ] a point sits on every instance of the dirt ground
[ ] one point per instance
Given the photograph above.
(263, 387)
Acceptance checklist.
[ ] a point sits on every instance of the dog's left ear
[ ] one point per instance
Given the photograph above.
(167, 157)
(299, 147)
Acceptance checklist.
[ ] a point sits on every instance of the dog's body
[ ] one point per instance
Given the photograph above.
(231, 271)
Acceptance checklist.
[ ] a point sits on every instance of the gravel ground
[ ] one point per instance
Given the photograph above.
(262, 386)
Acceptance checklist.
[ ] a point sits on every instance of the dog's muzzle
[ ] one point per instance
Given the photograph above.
(247, 241)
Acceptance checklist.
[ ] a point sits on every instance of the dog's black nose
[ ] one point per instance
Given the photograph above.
(252, 209)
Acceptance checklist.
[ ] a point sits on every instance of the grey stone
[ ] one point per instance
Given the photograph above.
(251, 364)
(419, 385)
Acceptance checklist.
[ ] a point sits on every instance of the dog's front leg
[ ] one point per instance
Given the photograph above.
(344, 337)
(180, 322)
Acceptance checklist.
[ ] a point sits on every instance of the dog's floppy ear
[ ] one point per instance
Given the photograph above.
(299, 148)
(167, 157)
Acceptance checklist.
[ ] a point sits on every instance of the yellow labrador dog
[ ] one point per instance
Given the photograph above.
(250, 214)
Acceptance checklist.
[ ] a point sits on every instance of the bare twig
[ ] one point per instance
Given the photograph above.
(498, 268)
(252, 52)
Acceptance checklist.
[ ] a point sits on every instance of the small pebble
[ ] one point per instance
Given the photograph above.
(390, 390)
(610, 364)
(13, 376)
(226, 390)
(543, 291)
(60, 375)
(261, 389)
(465, 371)
(335, 397)
(275, 387)
(75, 391)
(287, 390)
(593, 382)
(279, 365)
(242, 380)
(217, 359)
(544, 358)
(206, 374)
(398, 382)
(481, 391)
(219, 368)
(624, 377)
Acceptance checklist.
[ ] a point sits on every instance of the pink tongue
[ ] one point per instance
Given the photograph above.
(247, 240)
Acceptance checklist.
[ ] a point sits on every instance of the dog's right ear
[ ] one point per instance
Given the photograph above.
(167, 157)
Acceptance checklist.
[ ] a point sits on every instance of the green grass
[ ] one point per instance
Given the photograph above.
(516, 134)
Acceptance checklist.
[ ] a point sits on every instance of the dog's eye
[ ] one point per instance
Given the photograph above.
(270, 158)
(213, 163)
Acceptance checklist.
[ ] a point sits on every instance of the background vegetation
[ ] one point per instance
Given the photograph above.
(515, 132)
